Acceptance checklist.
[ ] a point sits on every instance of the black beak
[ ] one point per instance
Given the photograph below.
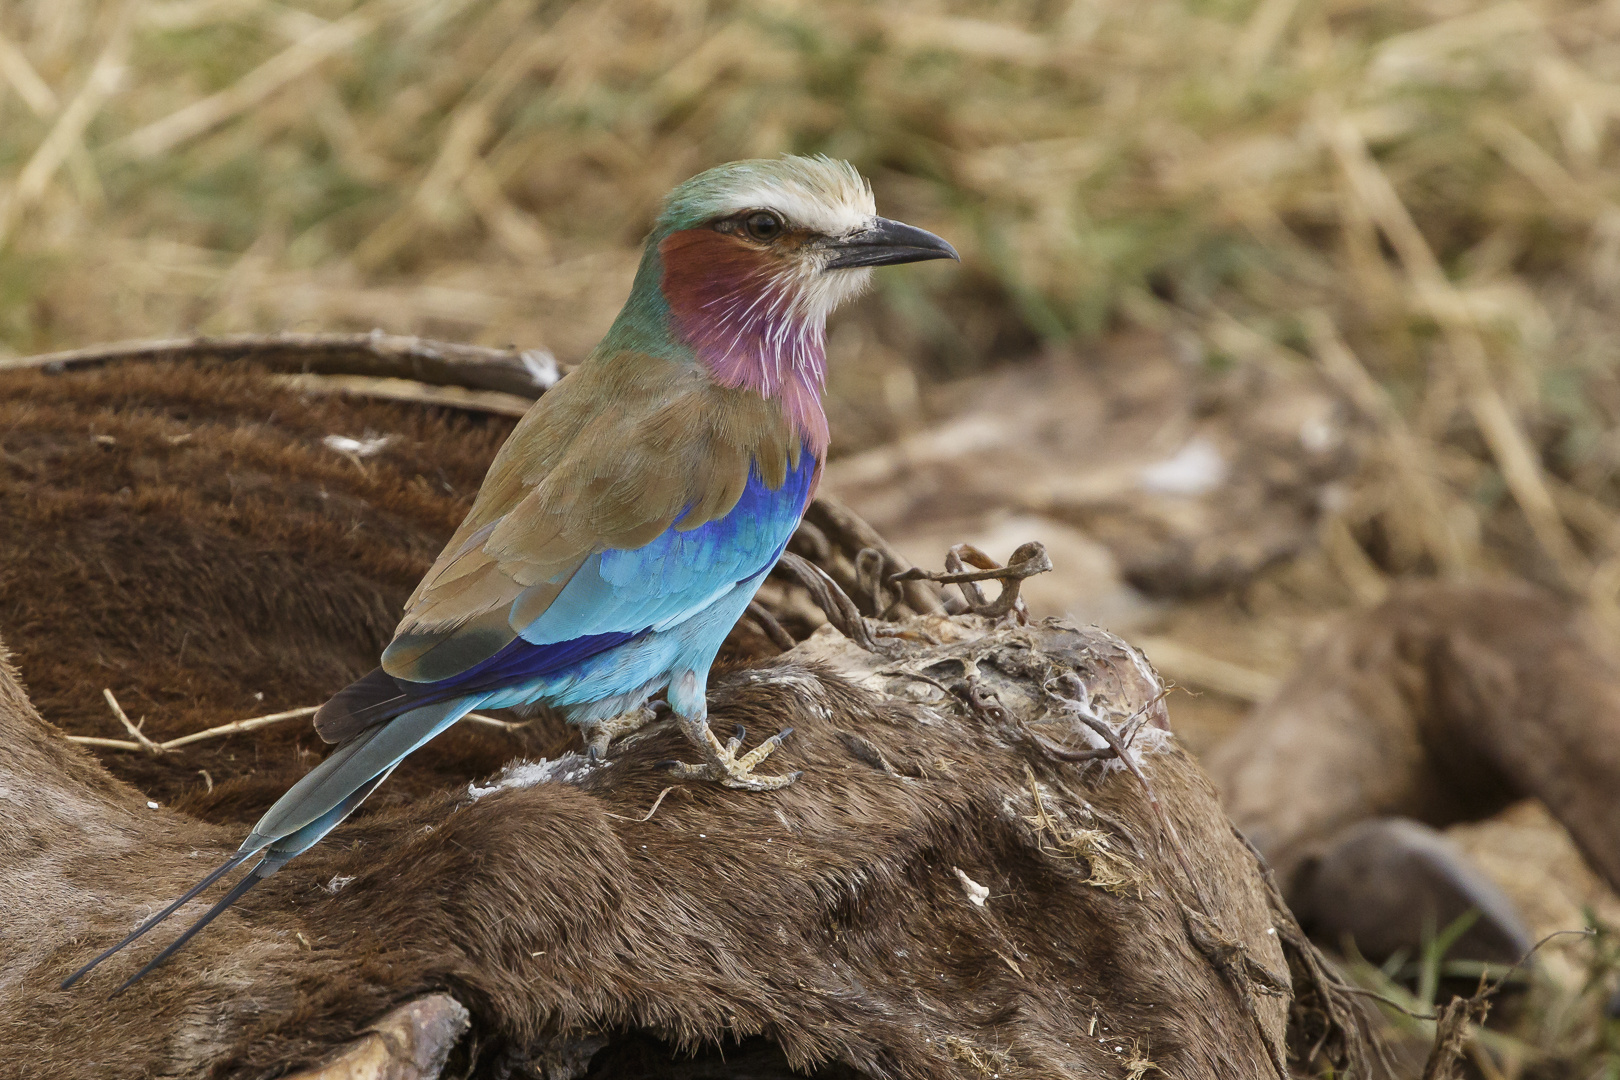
(884, 243)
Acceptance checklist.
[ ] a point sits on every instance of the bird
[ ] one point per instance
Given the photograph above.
(630, 517)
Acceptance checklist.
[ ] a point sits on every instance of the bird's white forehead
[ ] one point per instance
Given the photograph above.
(832, 201)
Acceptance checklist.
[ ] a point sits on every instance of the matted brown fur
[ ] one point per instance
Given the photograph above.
(829, 918)
(182, 536)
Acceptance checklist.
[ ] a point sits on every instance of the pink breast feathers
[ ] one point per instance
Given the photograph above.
(743, 313)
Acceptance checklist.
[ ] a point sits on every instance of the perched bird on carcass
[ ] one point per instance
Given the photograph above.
(630, 518)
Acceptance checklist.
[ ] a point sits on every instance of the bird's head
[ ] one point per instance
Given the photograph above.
(751, 257)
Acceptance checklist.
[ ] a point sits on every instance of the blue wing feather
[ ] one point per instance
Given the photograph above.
(678, 574)
(619, 594)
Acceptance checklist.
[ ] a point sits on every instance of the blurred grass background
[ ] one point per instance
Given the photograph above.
(1419, 197)
(1417, 200)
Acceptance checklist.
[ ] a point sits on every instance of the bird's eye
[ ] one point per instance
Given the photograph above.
(763, 225)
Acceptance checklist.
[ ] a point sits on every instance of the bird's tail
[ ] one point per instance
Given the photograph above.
(230, 864)
(309, 810)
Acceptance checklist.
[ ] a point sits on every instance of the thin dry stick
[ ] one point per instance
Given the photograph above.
(232, 728)
(237, 726)
(492, 721)
(108, 744)
(141, 741)
(184, 740)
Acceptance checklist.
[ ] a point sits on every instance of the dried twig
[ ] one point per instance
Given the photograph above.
(106, 744)
(492, 721)
(235, 726)
(1030, 559)
(141, 741)
(232, 728)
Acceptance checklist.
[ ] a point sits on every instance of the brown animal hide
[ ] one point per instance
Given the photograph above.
(938, 896)
(190, 539)
(1443, 704)
(907, 909)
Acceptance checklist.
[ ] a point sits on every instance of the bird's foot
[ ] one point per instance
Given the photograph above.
(723, 763)
(601, 734)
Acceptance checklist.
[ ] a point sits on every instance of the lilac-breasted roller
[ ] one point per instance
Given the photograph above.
(631, 516)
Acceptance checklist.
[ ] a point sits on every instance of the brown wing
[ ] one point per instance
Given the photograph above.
(612, 456)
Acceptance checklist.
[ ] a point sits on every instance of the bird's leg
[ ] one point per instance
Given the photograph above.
(600, 734)
(721, 761)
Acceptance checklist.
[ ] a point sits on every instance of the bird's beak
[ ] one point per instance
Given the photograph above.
(882, 242)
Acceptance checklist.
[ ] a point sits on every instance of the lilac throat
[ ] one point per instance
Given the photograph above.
(760, 343)
(743, 316)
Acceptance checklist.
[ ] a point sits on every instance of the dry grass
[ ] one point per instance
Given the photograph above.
(1420, 198)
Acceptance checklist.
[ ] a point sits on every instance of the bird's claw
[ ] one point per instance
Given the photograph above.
(730, 770)
(600, 735)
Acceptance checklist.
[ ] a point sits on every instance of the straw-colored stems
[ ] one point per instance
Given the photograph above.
(1418, 478)
(70, 125)
(1511, 449)
(280, 70)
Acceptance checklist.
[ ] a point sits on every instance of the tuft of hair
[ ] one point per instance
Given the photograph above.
(818, 193)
